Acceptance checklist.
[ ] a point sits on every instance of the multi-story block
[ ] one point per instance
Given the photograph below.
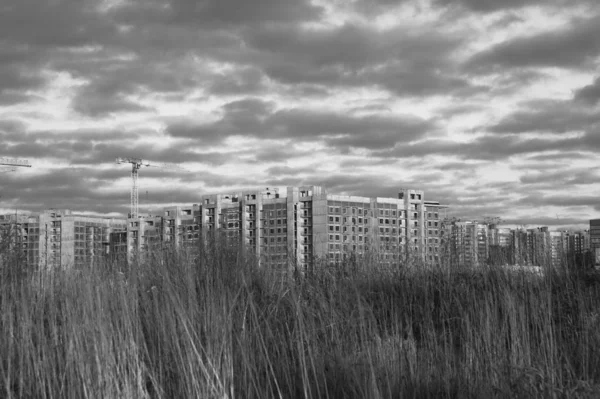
(467, 243)
(19, 236)
(144, 234)
(595, 240)
(578, 242)
(434, 232)
(57, 238)
(557, 248)
(299, 224)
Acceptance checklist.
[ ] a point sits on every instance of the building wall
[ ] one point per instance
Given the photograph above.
(595, 240)
(59, 238)
(300, 224)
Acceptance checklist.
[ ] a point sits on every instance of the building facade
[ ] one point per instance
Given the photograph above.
(297, 225)
(595, 240)
(60, 238)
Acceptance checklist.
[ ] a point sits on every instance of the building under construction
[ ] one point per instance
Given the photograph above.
(297, 225)
(56, 237)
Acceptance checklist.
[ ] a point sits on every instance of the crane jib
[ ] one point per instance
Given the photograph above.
(15, 162)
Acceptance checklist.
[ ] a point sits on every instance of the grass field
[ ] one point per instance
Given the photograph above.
(216, 326)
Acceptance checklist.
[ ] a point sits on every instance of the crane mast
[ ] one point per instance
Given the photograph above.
(136, 164)
(135, 167)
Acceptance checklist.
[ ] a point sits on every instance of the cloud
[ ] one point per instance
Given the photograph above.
(572, 46)
(242, 81)
(252, 117)
(488, 147)
(403, 61)
(218, 13)
(547, 116)
(567, 177)
(486, 6)
(589, 94)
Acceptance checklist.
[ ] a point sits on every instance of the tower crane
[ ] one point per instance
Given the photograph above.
(136, 164)
(10, 164)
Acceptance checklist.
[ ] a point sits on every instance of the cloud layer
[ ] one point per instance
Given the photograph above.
(491, 107)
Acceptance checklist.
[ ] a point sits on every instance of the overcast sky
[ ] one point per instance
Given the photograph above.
(490, 106)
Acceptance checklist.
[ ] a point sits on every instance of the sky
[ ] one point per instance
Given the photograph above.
(492, 107)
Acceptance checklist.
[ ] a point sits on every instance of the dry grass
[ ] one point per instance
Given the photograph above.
(215, 326)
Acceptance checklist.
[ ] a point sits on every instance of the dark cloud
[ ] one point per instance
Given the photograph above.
(562, 178)
(553, 157)
(572, 46)
(249, 80)
(90, 189)
(540, 221)
(489, 147)
(566, 201)
(67, 23)
(253, 117)
(589, 94)
(405, 62)
(218, 13)
(283, 171)
(548, 116)
(485, 6)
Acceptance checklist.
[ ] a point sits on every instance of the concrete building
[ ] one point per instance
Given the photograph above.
(434, 233)
(467, 243)
(595, 240)
(60, 238)
(579, 242)
(297, 225)
(501, 246)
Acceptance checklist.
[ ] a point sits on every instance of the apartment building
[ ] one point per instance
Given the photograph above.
(467, 243)
(595, 240)
(60, 238)
(434, 215)
(295, 225)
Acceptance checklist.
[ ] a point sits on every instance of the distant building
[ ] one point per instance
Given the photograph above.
(467, 243)
(595, 240)
(60, 238)
(300, 224)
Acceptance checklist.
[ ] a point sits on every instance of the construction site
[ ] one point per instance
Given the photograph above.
(282, 228)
